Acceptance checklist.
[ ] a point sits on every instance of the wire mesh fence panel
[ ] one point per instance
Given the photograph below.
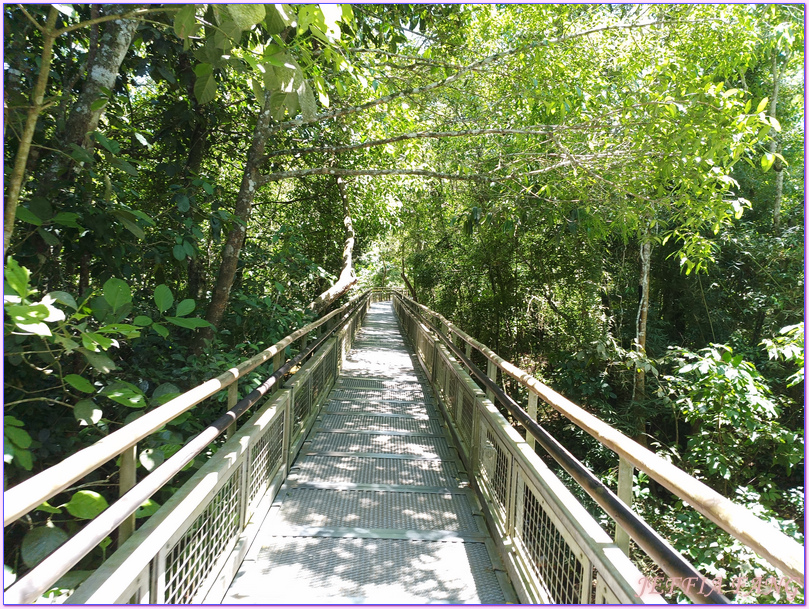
(266, 456)
(191, 559)
(558, 562)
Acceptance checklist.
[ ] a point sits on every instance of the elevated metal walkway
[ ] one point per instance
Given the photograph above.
(376, 508)
(370, 473)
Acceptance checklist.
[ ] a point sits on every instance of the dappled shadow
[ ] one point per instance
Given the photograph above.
(333, 542)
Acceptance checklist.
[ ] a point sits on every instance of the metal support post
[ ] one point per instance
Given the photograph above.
(625, 474)
(491, 372)
(127, 477)
(532, 412)
(233, 397)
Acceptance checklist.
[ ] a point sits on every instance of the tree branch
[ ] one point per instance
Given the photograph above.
(332, 171)
(408, 136)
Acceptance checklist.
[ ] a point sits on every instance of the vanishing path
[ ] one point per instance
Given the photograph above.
(376, 508)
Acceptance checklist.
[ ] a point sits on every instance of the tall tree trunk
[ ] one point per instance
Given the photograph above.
(347, 276)
(778, 166)
(639, 390)
(235, 238)
(34, 109)
(101, 74)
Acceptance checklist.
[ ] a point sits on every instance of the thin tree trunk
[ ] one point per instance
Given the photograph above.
(347, 276)
(412, 291)
(235, 238)
(34, 110)
(778, 167)
(639, 390)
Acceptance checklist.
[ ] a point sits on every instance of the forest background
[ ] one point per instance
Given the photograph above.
(610, 196)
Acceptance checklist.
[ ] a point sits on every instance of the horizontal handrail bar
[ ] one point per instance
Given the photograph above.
(39, 579)
(22, 498)
(770, 543)
(649, 540)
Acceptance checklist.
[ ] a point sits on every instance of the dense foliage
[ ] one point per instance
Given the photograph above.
(608, 195)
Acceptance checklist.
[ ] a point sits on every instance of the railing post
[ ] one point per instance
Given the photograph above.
(532, 412)
(233, 397)
(276, 364)
(491, 372)
(625, 474)
(127, 476)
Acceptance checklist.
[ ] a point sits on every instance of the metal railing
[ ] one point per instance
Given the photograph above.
(554, 550)
(175, 557)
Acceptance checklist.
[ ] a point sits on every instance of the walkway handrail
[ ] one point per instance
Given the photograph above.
(38, 580)
(650, 541)
(770, 543)
(22, 498)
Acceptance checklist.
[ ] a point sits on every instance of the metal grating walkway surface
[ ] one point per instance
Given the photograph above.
(376, 508)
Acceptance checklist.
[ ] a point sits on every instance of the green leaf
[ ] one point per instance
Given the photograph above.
(26, 215)
(190, 323)
(142, 320)
(27, 314)
(762, 105)
(183, 202)
(18, 436)
(67, 218)
(125, 166)
(17, 277)
(80, 154)
(165, 392)
(163, 298)
(99, 361)
(87, 412)
(205, 87)
(185, 307)
(131, 226)
(48, 508)
(189, 249)
(126, 394)
(80, 383)
(48, 237)
(13, 421)
(147, 509)
(245, 16)
(767, 161)
(98, 104)
(117, 293)
(39, 542)
(161, 330)
(178, 252)
(307, 101)
(86, 505)
(64, 298)
(111, 145)
(185, 21)
(41, 207)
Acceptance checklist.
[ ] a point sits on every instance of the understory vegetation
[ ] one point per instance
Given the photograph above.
(609, 196)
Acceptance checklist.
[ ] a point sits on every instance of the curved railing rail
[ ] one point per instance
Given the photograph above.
(781, 551)
(33, 492)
